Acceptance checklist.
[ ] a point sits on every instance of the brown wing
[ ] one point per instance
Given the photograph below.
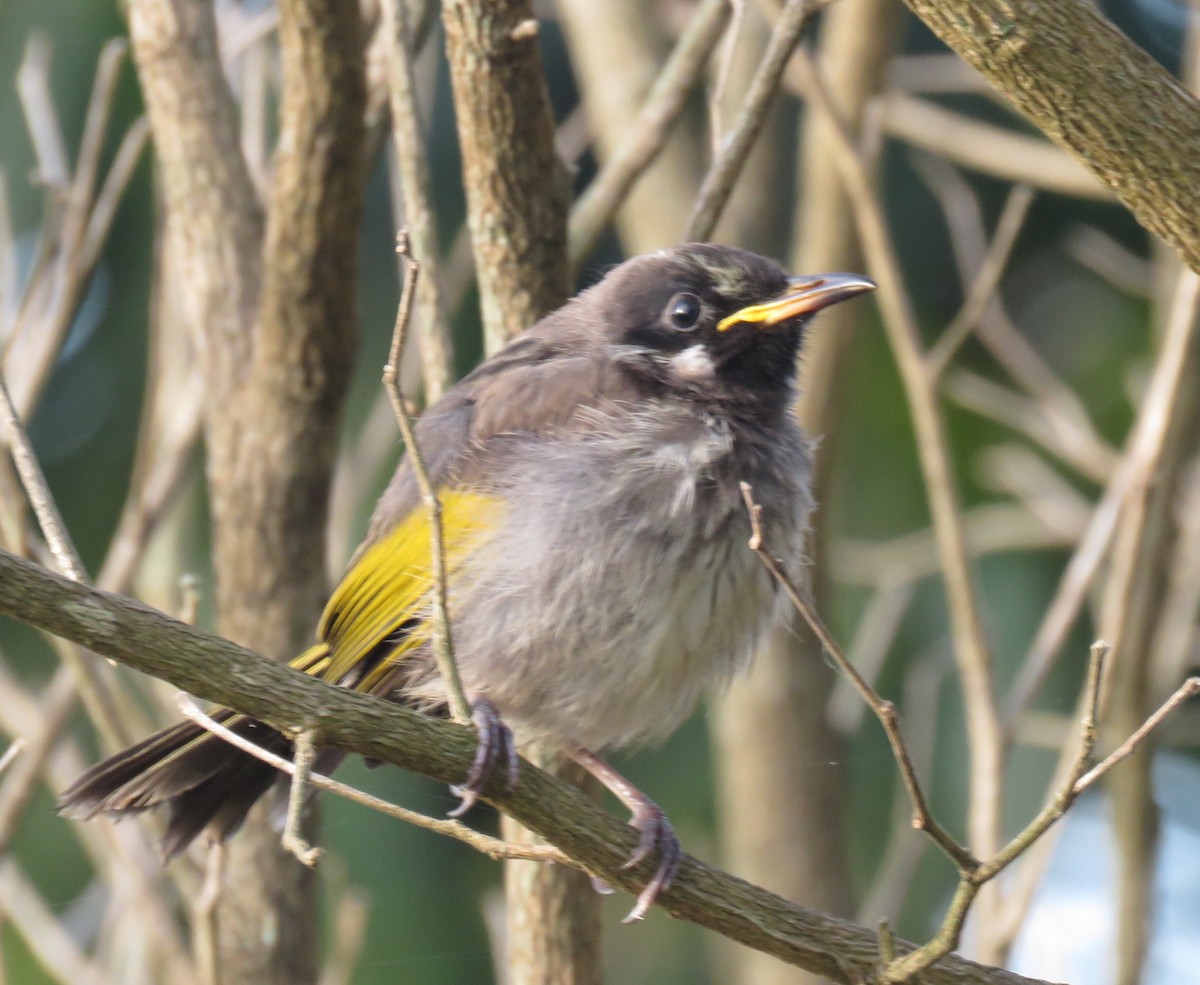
(536, 385)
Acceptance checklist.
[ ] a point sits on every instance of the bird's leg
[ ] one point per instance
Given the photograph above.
(495, 745)
(654, 830)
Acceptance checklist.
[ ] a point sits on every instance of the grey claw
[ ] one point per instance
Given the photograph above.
(495, 743)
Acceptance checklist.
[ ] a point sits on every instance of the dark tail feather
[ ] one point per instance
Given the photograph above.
(206, 782)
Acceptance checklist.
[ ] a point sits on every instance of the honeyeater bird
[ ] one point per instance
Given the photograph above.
(599, 578)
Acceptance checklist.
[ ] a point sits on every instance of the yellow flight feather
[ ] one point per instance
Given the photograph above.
(390, 585)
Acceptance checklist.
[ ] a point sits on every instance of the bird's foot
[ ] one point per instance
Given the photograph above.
(655, 834)
(495, 746)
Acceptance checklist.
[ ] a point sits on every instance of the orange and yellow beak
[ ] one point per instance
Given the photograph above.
(803, 296)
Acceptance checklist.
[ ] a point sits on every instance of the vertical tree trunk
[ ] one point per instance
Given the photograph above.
(782, 804)
(517, 197)
(273, 306)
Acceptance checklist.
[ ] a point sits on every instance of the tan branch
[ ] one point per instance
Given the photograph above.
(1095, 92)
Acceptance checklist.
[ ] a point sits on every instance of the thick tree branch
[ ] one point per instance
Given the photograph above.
(516, 186)
(218, 670)
(1095, 92)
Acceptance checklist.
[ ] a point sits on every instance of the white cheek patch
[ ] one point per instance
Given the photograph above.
(694, 363)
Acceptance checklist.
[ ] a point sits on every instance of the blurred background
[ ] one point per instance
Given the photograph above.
(1054, 304)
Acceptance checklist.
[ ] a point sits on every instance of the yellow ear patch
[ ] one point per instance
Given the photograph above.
(390, 584)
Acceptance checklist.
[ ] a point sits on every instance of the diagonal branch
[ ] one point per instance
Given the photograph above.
(1095, 92)
(217, 670)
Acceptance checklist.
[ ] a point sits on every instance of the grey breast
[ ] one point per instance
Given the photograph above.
(620, 585)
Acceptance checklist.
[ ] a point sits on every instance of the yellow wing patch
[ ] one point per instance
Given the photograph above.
(390, 584)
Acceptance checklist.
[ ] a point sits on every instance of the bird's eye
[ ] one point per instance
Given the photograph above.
(684, 311)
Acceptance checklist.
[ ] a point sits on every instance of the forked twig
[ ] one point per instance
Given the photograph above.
(974, 874)
(885, 711)
(443, 647)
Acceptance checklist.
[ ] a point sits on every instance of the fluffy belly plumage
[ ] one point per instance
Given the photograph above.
(654, 595)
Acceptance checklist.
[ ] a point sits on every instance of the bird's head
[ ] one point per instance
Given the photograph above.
(714, 322)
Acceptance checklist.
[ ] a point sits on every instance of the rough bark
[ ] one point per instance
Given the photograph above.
(272, 304)
(553, 934)
(217, 670)
(1095, 92)
(516, 186)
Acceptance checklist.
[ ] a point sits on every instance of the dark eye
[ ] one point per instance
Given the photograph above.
(684, 311)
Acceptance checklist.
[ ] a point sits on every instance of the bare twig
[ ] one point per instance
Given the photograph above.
(55, 705)
(990, 528)
(443, 645)
(971, 648)
(304, 745)
(600, 200)
(33, 87)
(94, 689)
(1149, 431)
(720, 83)
(735, 148)
(66, 558)
(54, 948)
(205, 916)
(12, 752)
(1008, 346)
(349, 929)
(986, 148)
(885, 711)
(220, 671)
(1032, 418)
(987, 282)
(435, 346)
(1076, 781)
(492, 847)
(1188, 689)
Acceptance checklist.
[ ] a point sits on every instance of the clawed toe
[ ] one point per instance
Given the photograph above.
(495, 745)
(655, 833)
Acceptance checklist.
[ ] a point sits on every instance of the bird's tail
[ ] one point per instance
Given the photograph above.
(204, 781)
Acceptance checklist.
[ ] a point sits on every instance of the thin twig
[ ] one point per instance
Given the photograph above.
(492, 847)
(997, 151)
(720, 84)
(41, 119)
(204, 921)
(600, 200)
(12, 752)
(304, 754)
(443, 646)
(55, 705)
(1032, 418)
(28, 914)
(1010, 348)
(718, 183)
(987, 281)
(104, 207)
(435, 346)
(1186, 690)
(66, 558)
(971, 647)
(1164, 390)
(885, 711)
(95, 691)
(1076, 782)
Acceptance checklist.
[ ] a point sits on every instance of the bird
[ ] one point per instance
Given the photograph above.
(599, 580)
